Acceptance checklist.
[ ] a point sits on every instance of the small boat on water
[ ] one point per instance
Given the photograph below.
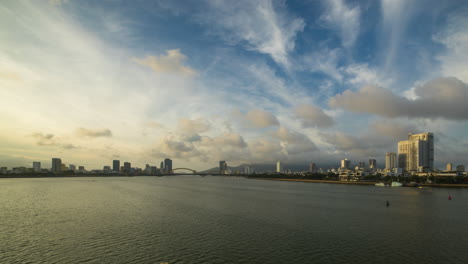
(380, 184)
(396, 184)
(411, 184)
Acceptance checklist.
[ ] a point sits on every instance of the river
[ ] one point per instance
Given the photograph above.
(193, 219)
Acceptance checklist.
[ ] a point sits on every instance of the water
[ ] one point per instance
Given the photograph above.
(192, 219)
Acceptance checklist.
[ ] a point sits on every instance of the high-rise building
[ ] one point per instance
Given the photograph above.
(106, 169)
(72, 167)
(56, 165)
(390, 160)
(345, 164)
(168, 165)
(279, 166)
(116, 165)
(222, 167)
(161, 167)
(127, 167)
(312, 168)
(417, 153)
(461, 168)
(372, 163)
(362, 164)
(81, 168)
(449, 167)
(37, 166)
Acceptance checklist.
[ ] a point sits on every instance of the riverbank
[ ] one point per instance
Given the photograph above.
(361, 183)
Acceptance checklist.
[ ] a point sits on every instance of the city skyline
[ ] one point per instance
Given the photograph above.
(250, 82)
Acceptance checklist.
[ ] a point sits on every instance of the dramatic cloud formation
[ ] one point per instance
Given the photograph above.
(439, 98)
(171, 63)
(85, 132)
(261, 26)
(312, 116)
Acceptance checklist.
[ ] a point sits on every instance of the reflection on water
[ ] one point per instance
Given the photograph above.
(191, 219)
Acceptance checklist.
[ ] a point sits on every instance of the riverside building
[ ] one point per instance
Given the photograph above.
(417, 153)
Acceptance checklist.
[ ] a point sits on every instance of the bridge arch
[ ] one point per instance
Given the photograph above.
(193, 171)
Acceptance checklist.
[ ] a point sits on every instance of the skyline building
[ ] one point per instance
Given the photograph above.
(127, 167)
(168, 165)
(279, 168)
(461, 168)
(449, 167)
(372, 163)
(390, 160)
(36, 166)
(312, 168)
(116, 165)
(362, 164)
(72, 167)
(56, 165)
(417, 153)
(345, 164)
(222, 167)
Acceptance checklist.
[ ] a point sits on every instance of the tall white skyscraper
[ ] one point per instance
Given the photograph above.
(279, 167)
(417, 153)
(390, 160)
(449, 167)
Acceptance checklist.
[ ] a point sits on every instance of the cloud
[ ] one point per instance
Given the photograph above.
(440, 98)
(188, 126)
(172, 62)
(312, 116)
(58, 2)
(293, 142)
(85, 132)
(324, 61)
(261, 118)
(10, 76)
(44, 139)
(455, 39)
(257, 25)
(344, 19)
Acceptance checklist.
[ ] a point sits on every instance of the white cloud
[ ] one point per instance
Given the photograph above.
(344, 19)
(170, 63)
(261, 26)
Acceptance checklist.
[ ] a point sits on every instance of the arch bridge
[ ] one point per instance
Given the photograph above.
(187, 169)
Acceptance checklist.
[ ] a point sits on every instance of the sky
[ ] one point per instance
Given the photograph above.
(249, 82)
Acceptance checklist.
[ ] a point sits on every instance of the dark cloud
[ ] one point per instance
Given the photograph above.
(44, 139)
(440, 98)
(85, 132)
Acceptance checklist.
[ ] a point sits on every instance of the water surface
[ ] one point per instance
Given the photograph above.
(192, 219)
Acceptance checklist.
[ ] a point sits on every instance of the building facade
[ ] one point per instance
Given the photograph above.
(449, 167)
(127, 167)
(168, 165)
(116, 165)
(56, 165)
(222, 167)
(390, 160)
(312, 168)
(345, 164)
(417, 153)
(372, 163)
(37, 166)
(279, 167)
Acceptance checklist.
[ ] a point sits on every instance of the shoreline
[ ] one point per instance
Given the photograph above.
(361, 183)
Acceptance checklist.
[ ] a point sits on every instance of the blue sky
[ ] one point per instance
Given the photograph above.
(241, 81)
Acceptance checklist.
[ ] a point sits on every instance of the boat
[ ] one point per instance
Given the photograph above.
(396, 184)
(380, 184)
(411, 184)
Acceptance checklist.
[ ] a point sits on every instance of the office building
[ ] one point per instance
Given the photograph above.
(449, 167)
(222, 167)
(279, 166)
(72, 167)
(116, 165)
(168, 165)
(127, 167)
(56, 165)
(312, 168)
(372, 163)
(37, 166)
(461, 168)
(81, 169)
(417, 153)
(362, 164)
(161, 167)
(106, 169)
(390, 160)
(345, 164)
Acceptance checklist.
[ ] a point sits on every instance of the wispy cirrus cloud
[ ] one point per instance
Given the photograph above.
(344, 19)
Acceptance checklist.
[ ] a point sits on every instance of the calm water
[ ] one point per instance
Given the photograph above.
(192, 219)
